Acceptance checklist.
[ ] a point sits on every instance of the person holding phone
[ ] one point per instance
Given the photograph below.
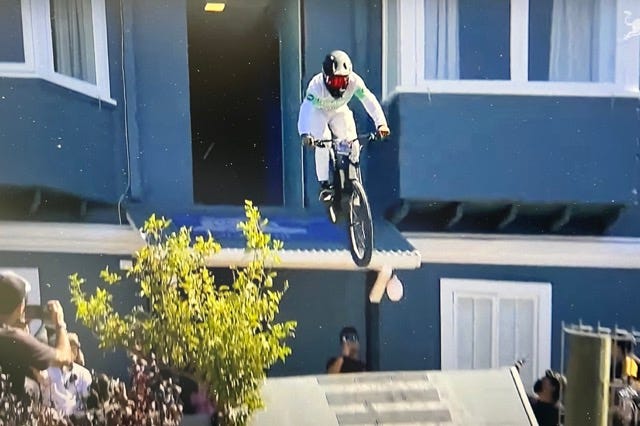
(20, 352)
(348, 361)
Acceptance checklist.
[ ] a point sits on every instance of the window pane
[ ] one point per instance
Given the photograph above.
(11, 43)
(72, 33)
(507, 333)
(464, 329)
(393, 46)
(485, 33)
(525, 329)
(572, 40)
(482, 333)
(467, 39)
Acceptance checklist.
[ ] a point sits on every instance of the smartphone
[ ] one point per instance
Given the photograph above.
(35, 312)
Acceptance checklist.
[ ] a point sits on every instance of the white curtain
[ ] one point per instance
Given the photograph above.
(72, 32)
(583, 40)
(441, 51)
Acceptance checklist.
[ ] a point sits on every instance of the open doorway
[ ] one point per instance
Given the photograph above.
(234, 74)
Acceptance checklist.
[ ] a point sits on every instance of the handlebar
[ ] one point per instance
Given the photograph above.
(363, 137)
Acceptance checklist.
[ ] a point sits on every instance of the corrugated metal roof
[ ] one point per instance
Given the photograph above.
(479, 397)
(310, 240)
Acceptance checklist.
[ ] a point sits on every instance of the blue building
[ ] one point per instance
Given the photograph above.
(506, 198)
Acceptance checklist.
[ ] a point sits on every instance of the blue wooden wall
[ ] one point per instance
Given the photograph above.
(410, 329)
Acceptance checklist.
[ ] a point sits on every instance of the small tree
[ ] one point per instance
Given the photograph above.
(222, 336)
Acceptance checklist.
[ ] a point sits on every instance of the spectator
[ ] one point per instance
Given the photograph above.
(65, 388)
(76, 348)
(348, 361)
(545, 402)
(624, 365)
(20, 352)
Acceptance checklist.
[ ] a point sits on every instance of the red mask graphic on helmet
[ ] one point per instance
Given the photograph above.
(337, 82)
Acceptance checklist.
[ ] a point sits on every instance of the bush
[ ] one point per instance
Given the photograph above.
(223, 336)
(151, 400)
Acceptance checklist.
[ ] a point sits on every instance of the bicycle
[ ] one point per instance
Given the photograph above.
(347, 181)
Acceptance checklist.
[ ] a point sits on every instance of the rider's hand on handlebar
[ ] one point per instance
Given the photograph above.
(383, 131)
(306, 140)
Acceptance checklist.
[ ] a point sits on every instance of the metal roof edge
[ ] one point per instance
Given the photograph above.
(124, 240)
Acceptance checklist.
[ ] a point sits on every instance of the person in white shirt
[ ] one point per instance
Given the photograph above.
(324, 112)
(65, 388)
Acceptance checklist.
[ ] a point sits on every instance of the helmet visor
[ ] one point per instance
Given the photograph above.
(337, 82)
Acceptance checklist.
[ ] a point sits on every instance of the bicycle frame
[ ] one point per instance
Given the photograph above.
(342, 156)
(350, 196)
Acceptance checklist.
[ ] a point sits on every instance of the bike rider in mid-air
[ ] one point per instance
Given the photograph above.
(324, 112)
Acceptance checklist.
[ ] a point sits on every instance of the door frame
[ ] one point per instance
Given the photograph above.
(289, 21)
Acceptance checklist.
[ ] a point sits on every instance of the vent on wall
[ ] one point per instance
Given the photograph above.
(46, 205)
(506, 217)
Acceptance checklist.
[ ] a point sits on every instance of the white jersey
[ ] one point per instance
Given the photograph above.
(318, 96)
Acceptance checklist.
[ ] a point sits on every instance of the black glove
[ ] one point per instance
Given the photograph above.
(306, 139)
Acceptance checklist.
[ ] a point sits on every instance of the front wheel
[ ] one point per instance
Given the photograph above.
(360, 225)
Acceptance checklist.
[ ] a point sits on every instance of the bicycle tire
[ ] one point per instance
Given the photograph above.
(360, 225)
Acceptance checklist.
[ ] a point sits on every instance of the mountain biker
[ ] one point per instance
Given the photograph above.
(324, 112)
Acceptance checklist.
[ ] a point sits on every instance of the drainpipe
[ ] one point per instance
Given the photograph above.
(132, 135)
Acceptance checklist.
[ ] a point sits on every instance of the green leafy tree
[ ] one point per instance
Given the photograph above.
(224, 336)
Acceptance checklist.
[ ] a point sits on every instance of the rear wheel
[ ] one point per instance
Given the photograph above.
(360, 225)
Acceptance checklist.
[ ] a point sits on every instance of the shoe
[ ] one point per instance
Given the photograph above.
(326, 192)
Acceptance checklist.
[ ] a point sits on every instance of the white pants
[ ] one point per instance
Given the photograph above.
(324, 124)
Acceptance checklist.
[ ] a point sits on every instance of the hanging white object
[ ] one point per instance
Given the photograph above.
(377, 290)
(395, 289)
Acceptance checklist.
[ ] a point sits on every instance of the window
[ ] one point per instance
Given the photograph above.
(16, 45)
(72, 36)
(65, 42)
(490, 324)
(545, 47)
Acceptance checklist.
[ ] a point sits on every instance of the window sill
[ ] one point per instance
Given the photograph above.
(73, 84)
(483, 87)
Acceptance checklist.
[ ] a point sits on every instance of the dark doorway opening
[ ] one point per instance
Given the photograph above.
(234, 74)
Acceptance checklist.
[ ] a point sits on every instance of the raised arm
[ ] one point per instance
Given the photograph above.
(370, 103)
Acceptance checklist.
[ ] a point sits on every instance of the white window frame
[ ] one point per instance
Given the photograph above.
(539, 292)
(38, 48)
(411, 32)
(26, 68)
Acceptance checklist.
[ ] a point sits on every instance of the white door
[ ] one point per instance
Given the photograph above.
(491, 324)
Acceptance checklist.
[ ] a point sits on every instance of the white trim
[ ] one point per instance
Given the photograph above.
(124, 241)
(69, 238)
(409, 29)
(476, 249)
(519, 40)
(385, 46)
(515, 375)
(38, 45)
(316, 259)
(14, 69)
(539, 292)
(531, 88)
(540, 251)
(100, 48)
(407, 22)
(627, 57)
